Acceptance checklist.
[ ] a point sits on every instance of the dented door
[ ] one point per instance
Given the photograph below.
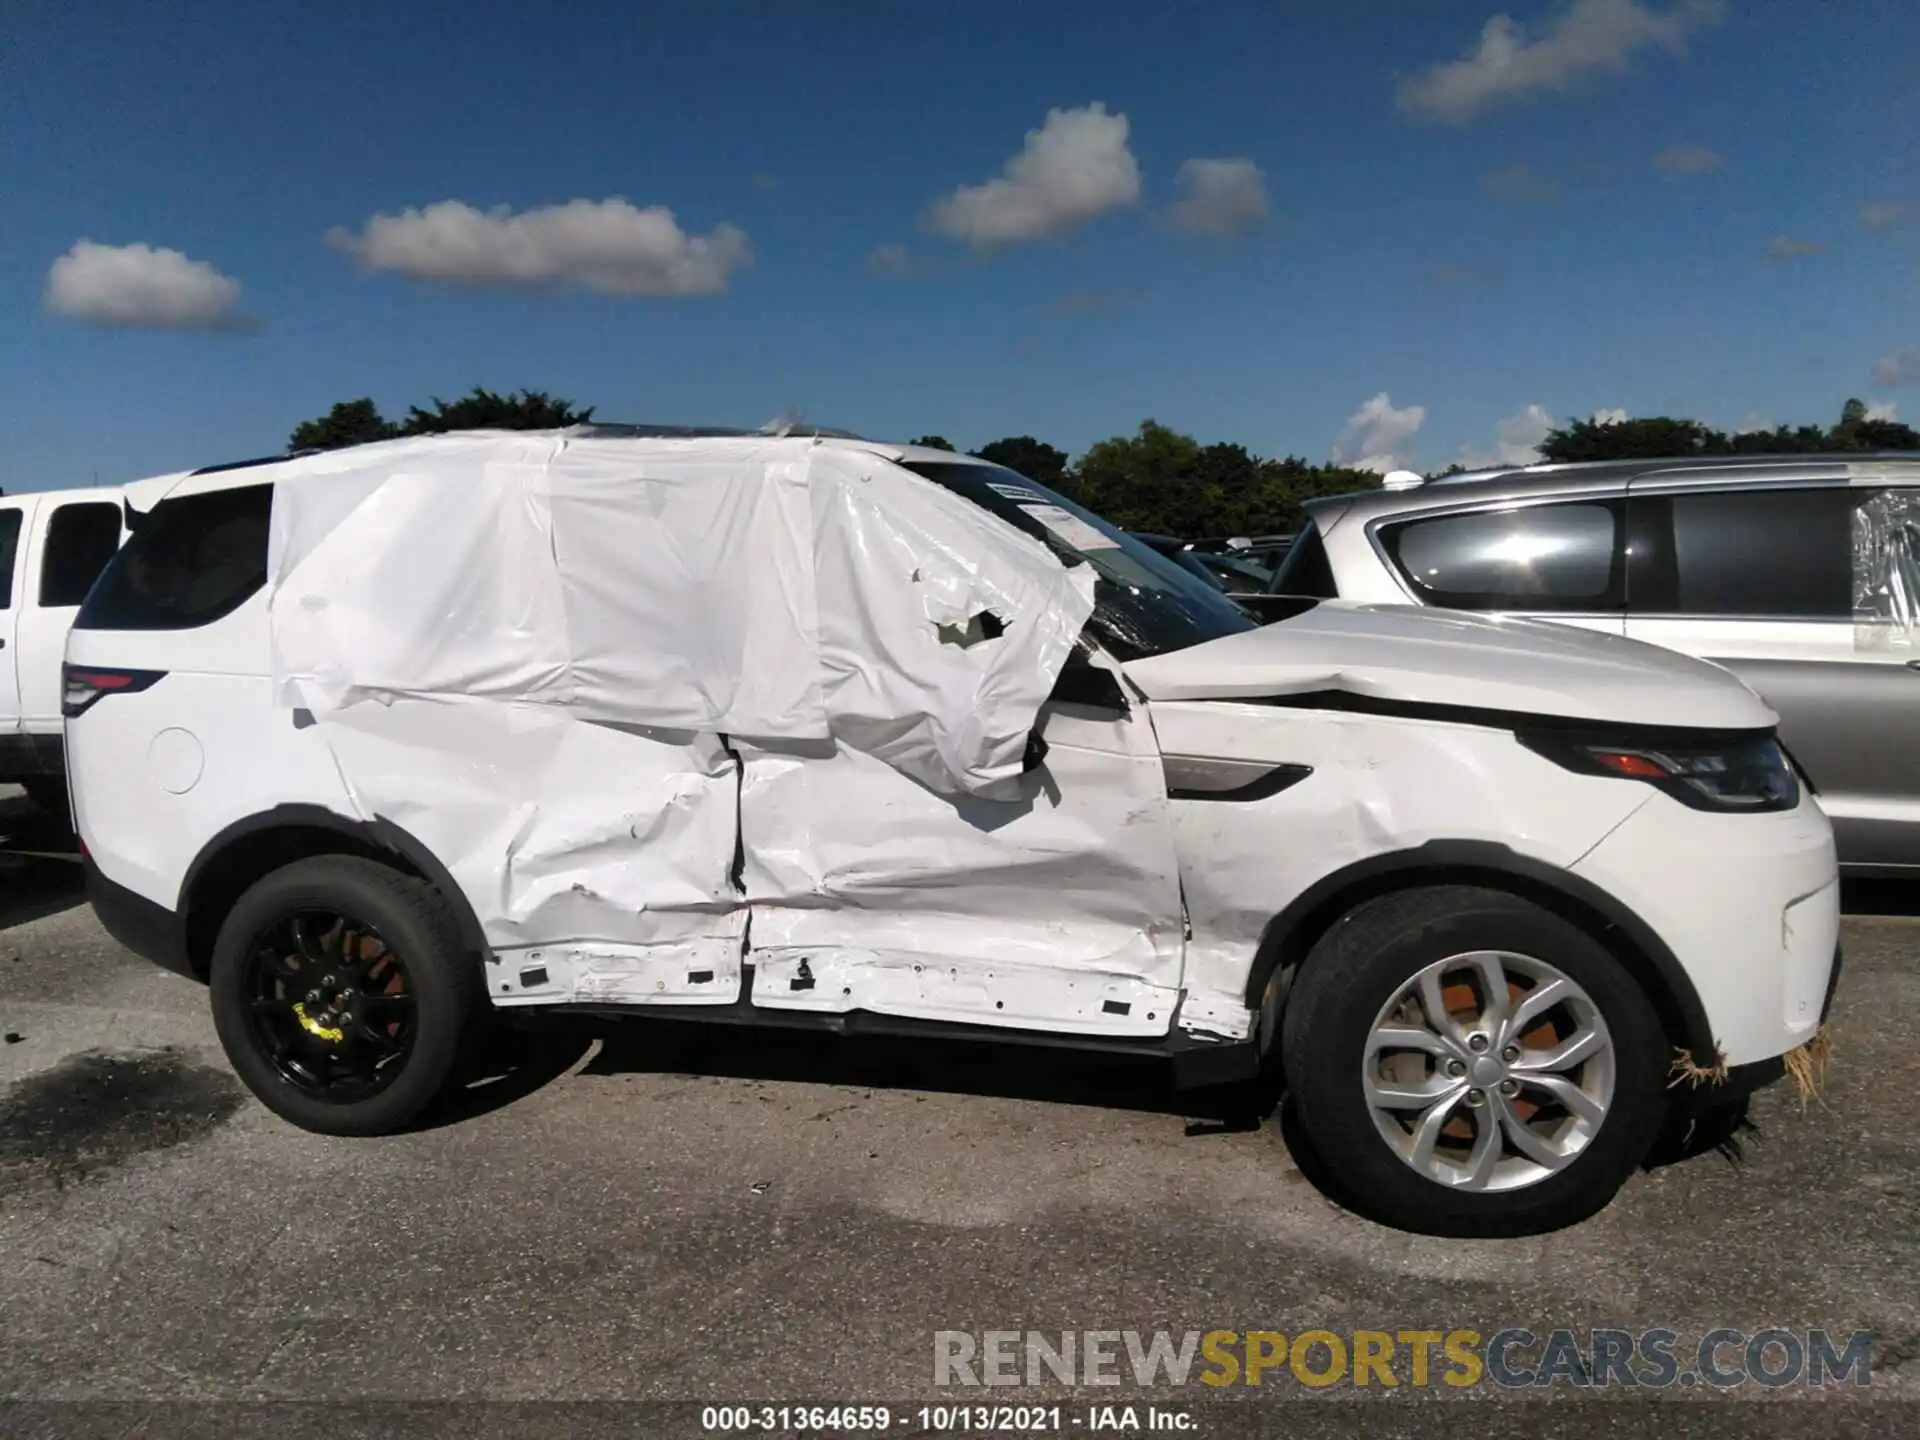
(1057, 908)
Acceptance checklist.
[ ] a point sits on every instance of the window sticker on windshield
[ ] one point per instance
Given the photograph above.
(1071, 529)
(1017, 493)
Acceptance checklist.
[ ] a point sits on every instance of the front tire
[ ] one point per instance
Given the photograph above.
(343, 995)
(1466, 1063)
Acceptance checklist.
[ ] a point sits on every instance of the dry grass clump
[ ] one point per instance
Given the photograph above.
(1807, 1066)
(1688, 1071)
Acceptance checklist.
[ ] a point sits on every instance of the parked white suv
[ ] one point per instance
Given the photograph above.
(873, 737)
(53, 545)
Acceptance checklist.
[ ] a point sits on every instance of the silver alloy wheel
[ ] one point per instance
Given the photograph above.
(1488, 1070)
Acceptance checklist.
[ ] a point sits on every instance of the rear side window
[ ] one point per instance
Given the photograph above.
(191, 561)
(9, 547)
(1565, 557)
(1306, 569)
(1784, 554)
(81, 539)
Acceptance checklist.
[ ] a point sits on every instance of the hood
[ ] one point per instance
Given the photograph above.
(1414, 655)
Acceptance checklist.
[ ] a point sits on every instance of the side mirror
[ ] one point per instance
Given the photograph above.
(1083, 683)
(1036, 755)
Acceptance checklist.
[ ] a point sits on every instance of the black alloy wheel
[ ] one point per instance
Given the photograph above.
(330, 1005)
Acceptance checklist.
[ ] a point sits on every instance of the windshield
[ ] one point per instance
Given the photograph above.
(1231, 569)
(1143, 603)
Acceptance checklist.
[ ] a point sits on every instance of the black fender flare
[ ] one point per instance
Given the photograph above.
(376, 836)
(1489, 862)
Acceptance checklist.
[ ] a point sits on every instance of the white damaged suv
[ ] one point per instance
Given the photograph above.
(872, 737)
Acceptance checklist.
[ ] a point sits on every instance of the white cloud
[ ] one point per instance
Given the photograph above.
(141, 285)
(1785, 247)
(1898, 367)
(1074, 168)
(609, 246)
(1883, 410)
(1516, 440)
(1589, 37)
(1676, 162)
(1376, 435)
(1885, 214)
(891, 260)
(1614, 416)
(1220, 197)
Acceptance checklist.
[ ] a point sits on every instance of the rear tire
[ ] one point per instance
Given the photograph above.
(1351, 991)
(411, 929)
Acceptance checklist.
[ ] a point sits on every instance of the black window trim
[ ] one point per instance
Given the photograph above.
(1611, 496)
(1670, 487)
(14, 567)
(89, 617)
(48, 535)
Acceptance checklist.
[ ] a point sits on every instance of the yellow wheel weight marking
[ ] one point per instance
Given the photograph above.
(330, 1033)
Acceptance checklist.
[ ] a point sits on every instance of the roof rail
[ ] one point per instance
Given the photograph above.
(621, 430)
(249, 464)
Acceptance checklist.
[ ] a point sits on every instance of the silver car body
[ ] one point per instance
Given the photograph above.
(1734, 559)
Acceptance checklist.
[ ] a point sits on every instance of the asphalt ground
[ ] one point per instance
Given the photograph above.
(661, 1218)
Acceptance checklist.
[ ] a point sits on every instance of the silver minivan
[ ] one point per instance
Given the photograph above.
(1799, 573)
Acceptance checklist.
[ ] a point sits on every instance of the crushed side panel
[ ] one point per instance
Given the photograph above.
(598, 858)
(1057, 909)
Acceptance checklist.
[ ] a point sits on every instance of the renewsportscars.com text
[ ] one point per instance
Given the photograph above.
(1513, 1358)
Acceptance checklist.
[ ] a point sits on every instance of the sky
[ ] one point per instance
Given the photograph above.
(1386, 233)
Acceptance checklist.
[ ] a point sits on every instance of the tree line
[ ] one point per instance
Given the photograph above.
(1659, 437)
(1158, 479)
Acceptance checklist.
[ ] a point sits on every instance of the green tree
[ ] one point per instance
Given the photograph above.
(1038, 461)
(1657, 437)
(1781, 440)
(1142, 481)
(1856, 432)
(356, 422)
(484, 410)
(933, 442)
(1285, 484)
(351, 422)
(1161, 481)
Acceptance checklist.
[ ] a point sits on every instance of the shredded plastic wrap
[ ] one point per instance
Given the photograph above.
(1886, 571)
(764, 588)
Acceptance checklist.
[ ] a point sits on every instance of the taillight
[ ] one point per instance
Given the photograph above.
(84, 686)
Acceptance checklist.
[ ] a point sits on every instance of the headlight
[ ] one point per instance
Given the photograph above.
(1744, 774)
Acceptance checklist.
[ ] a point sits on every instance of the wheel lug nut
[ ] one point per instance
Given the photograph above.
(1477, 1043)
(1510, 1054)
(1509, 1087)
(1456, 1068)
(1476, 1097)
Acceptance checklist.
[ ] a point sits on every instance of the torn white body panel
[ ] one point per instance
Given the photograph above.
(1058, 906)
(1379, 785)
(598, 858)
(1015, 997)
(526, 649)
(766, 588)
